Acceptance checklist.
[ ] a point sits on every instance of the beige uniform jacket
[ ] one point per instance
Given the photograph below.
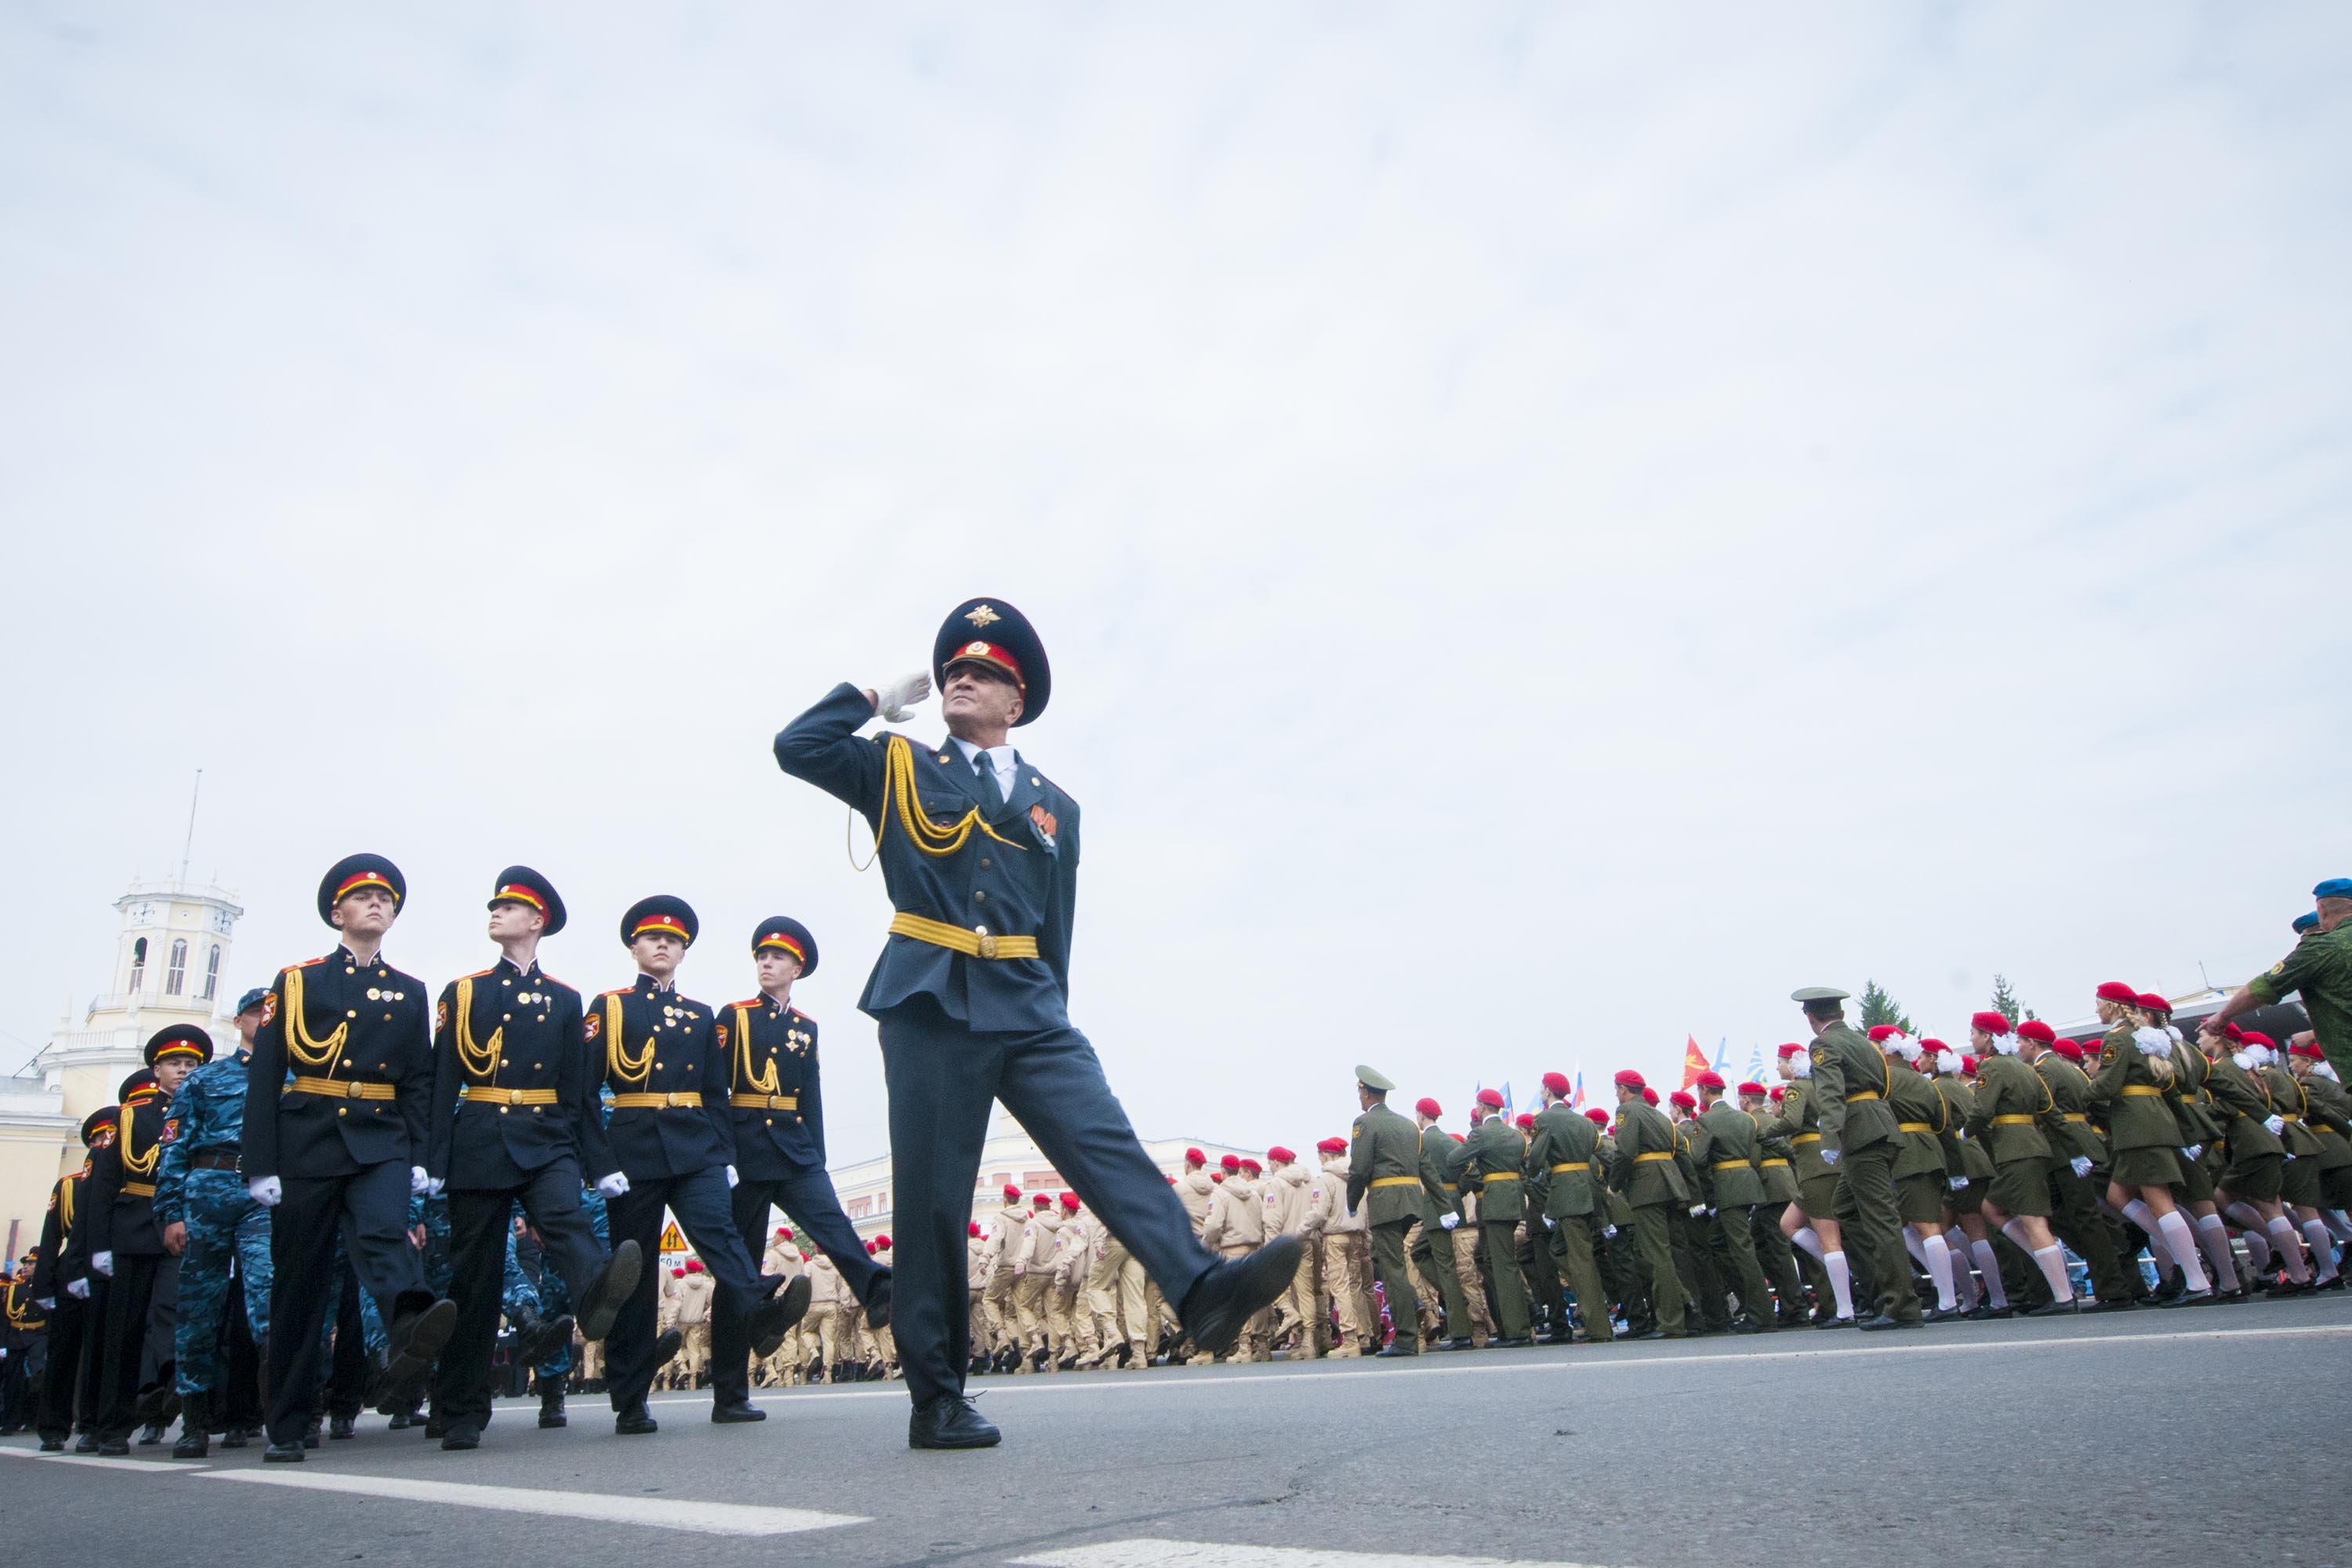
(1195, 1192)
(1343, 1221)
(1236, 1215)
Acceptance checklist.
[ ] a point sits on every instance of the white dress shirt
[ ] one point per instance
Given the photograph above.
(1004, 759)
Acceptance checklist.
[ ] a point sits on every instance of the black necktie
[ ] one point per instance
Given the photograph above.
(992, 796)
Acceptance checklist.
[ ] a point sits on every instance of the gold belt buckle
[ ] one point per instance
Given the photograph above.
(987, 942)
(354, 1092)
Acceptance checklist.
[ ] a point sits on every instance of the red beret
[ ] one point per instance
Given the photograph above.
(1231, 1163)
(2035, 1030)
(1649, 1097)
(1040, 1200)
(1778, 1095)
(1069, 1202)
(1195, 1157)
(1332, 1146)
(1990, 1022)
(2233, 1033)
(784, 1233)
(1557, 1082)
(2067, 1049)
(1280, 1156)
(869, 1249)
(694, 1265)
(1598, 1116)
(2092, 1045)
(1790, 1049)
(1752, 1089)
(1012, 1193)
(883, 1242)
(1429, 1108)
(1878, 1032)
(1931, 1044)
(1713, 1081)
(1686, 1100)
(2309, 1050)
(1968, 1067)
(1214, 1176)
(678, 1273)
(1629, 1079)
(2152, 1003)
(973, 1227)
(2116, 991)
(1491, 1098)
(1253, 1167)
(2256, 1037)
(1526, 1119)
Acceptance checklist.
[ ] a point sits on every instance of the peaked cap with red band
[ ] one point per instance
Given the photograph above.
(522, 885)
(662, 912)
(354, 872)
(97, 1122)
(179, 1040)
(782, 933)
(991, 632)
(136, 1084)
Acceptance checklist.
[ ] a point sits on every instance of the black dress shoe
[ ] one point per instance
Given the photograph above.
(2066, 1308)
(312, 1436)
(113, 1448)
(86, 1444)
(193, 1444)
(878, 1302)
(1449, 1344)
(282, 1454)
(415, 1344)
(1650, 1333)
(1222, 1300)
(401, 1421)
(52, 1444)
(547, 1336)
(2335, 1283)
(635, 1422)
(666, 1347)
(2123, 1304)
(736, 1410)
(2204, 1298)
(436, 1426)
(1387, 1351)
(342, 1428)
(1522, 1342)
(949, 1421)
(772, 1319)
(1834, 1323)
(461, 1435)
(1878, 1322)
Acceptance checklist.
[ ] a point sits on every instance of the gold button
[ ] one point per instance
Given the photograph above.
(342, 1110)
(656, 1066)
(502, 1110)
(353, 1013)
(534, 1066)
(984, 862)
(772, 1122)
(978, 897)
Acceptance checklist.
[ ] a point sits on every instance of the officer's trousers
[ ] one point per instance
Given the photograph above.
(808, 1200)
(700, 1201)
(1735, 1226)
(1652, 1238)
(1501, 1241)
(1776, 1257)
(480, 1238)
(1388, 1269)
(128, 1294)
(369, 1206)
(1433, 1254)
(61, 1381)
(1570, 1243)
(942, 1077)
(1873, 1218)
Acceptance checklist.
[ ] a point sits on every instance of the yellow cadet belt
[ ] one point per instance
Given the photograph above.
(971, 943)
(1806, 1138)
(765, 1102)
(1775, 1161)
(341, 1089)
(1500, 1176)
(2074, 1116)
(2284, 1115)
(1659, 1154)
(1728, 1165)
(1913, 1127)
(140, 1189)
(1449, 1186)
(1562, 1170)
(1396, 1181)
(2140, 1090)
(656, 1101)
(484, 1092)
(2014, 1120)
(1862, 1094)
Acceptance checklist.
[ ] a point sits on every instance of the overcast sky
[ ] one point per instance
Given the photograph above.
(1553, 528)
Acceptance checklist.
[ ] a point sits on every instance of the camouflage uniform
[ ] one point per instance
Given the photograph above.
(228, 1233)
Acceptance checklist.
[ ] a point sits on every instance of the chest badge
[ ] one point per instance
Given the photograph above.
(1045, 823)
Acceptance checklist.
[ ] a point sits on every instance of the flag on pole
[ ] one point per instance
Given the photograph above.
(1693, 1060)
(1510, 1110)
(1576, 1100)
(1722, 1056)
(1755, 1064)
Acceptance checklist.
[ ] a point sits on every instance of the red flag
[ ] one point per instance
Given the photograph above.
(1695, 1061)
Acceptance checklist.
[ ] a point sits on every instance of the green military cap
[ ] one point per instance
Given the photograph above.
(1819, 994)
(1372, 1079)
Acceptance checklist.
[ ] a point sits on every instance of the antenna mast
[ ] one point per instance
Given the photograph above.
(189, 843)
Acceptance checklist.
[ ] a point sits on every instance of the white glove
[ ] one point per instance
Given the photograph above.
(1447, 1222)
(732, 1178)
(102, 1264)
(77, 1288)
(1608, 1230)
(265, 1190)
(1828, 1156)
(433, 1188)
(1956, 1182)
(2275, 1123)
(893, 701)
(1698, 1211)
(2194, 1151)
(614, 1186)
(2081, 1164)
(419, 1184)
(47, 1303)
(1549, 1223)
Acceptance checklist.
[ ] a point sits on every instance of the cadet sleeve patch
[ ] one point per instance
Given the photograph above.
(720, 1030)
(269, 1007)
(592, 1026)
(2279, 968)
(441, 1015)
(170, 1129)
(103, 1137)
(53, 1200)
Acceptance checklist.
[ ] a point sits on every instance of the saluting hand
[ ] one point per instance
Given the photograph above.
(895, 701)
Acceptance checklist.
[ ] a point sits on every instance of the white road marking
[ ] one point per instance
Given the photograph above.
(660, 1513)
(1212, 1554)
(152, 1466)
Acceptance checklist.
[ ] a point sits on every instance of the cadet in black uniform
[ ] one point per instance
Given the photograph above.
(62, 1284)
(337, 1101)
(775, 1098)
(516, 1118)
(659, 1052)
(124, 1244)
(971, 992)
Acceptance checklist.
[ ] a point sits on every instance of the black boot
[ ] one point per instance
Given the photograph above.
(1233, 1289)
(949, 1421)
(611, 1292)
(195, 1440)
(551, 1402)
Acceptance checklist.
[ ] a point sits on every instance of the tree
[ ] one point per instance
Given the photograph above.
(2004, 1000)
(1878, 1007)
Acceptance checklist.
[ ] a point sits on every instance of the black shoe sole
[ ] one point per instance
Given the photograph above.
(406, 1372)
(1255, 1282)
(774, 1318)
(611, 1292)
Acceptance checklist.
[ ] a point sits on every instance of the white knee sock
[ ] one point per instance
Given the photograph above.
(1808, 1238)
(2214, 1237)
(1841, 1282)
(1964, 1284)
(2258, 1246)
(2015, 1231)
(1989, 1266)
(2339, 1224)
(2052, 1260)
(1939, 1270)
(2282, 1241)
(2181, 1242)
(1911, 1245)
(2323, 1247)
(2139, 1214)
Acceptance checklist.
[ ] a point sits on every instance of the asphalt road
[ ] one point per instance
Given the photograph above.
(2212, 1436)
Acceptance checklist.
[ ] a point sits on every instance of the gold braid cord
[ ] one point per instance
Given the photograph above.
(899, 801)
(763, 1080)
(319, 1056)
(141, 1166)
(479, 1063)
(619, 1065)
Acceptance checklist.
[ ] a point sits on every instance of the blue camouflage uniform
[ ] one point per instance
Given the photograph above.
(228, 1233)
(432, 1213)
(554, 1297)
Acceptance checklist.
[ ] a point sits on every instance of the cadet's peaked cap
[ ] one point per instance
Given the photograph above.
(2334, 888)
(1430, 1109)
(660, 912)
(1491, 1098)
(522, 885)
(1372, 1077)
(993, 633)
(2306, 921)
(179, 1040)
(1557, 1082)
(353, 872)
(1819, 994)
(1990, 1022)
(2116, 991)
(2034, 1029)
(786, 934)
(97, 1121)
(143, 1080)
(250, 1000)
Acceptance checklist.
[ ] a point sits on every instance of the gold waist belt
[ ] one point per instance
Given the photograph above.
(971, 943)
(1645, 1159)
(1500, 1176)
(2140, 1090)
(656, 1101)
(341, 1089)
(140, 1189)
(2074, 1116)
(1913, 1127)
(1572, 1165)
(1861, 1094)
(1776, 1161)
(1396, 1181)
(764, 1101)
(490, 1096)
(2013, 1121)
(1730, 1165)
(1806, 1138)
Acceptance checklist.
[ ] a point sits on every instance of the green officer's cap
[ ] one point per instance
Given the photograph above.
(1819, 994)
(1370, 1079)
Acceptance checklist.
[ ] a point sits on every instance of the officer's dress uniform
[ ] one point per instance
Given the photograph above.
(121, 1220)
(74, 1329)
(336, 1107)
(201, 1186)
(776, 1100)
(24, 1334)
(1851, 1081)
(516, 1121)
(972, 994)
(1384, 1184)
(662, 1060)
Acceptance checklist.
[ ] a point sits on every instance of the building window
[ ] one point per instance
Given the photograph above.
(138, 963)
(175, 978)
(212, 971)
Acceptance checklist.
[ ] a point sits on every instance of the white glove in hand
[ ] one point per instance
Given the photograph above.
(2081, 1164)
(893, 701)
(732, 1178)
(47, 1303)
(614, 1186)
(1549, 1222)
(419, 1182)
(1828, 1156)
(433, 1189)
(1447, 1222)
(1956, 1182)
(265, 1190)
(77, 1288)
(2277, 1124)
(1609, 1230)
(102, 1264)
(2194, 1151)
(1698, 1211)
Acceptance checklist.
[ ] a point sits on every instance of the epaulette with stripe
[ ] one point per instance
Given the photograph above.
(306, 963)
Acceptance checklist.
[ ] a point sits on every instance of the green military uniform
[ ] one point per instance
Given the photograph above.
(1691, 1231)
(1384, 1186)
(1492, 1160)
(2007, 1119)
(1724, 1145)
(1777, 1169)
(2299, 1174)
(1965, 1160)
(1919, 1169)
(2320, 969)
(2256, 1156)
(2329, 1115)
(1643, 1169)
(1849, 1084)
(2142, 1130)
(1621, 1263)
(1564, 1185)
(1433, 1244)
(2075, 1217)
(2199, 1127)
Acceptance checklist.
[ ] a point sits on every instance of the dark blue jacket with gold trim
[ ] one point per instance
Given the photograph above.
(771, 1058)
(519, 1035)
(645, 1040)
(339, 1021)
